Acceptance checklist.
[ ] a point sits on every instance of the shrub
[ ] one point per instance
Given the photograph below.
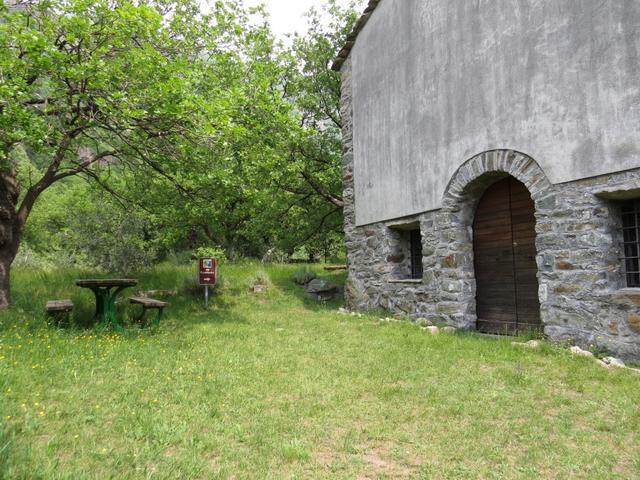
(259, 281)
(217, 252)
(260, 278)
(304, 275)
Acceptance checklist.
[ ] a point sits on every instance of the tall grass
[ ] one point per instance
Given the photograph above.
(278, 386)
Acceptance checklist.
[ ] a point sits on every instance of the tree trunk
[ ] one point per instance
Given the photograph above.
(13, 218)
(5, 277)
(10, 233)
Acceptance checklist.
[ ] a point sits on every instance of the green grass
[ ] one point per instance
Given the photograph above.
(275, 386)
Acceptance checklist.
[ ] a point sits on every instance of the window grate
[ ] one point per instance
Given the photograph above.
(416, 254)
(631, 241)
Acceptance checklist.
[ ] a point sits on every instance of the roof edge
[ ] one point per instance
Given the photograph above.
(352, 37)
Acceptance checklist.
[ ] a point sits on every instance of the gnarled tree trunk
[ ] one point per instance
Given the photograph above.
(10, 232)
(5, 273)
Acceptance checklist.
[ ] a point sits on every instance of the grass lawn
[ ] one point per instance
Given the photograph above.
(274, 386)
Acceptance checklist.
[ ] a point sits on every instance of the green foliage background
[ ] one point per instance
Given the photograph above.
(231, 139)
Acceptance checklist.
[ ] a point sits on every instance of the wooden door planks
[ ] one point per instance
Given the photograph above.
(505, 260)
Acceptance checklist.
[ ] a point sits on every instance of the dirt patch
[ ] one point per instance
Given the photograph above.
(64, 456)
(43, 440)
(151, 468)
(324, 457)
(172, 452)
(380, 461)
(213, 462)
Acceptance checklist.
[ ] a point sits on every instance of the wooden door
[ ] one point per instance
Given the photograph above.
(505, 260)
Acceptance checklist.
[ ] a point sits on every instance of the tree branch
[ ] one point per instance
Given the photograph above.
(48, 178)
(323, 220)
(320, 190)
(84, 165)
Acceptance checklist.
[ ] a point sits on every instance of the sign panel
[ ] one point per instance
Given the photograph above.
(207, 270)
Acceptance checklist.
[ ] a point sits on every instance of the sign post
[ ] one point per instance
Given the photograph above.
(207, 275)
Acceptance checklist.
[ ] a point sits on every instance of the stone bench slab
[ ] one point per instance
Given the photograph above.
(59, 306)
(148, 302)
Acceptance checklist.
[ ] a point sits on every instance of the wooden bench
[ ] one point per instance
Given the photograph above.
(59, 309)
(149, 303)
(331, 268)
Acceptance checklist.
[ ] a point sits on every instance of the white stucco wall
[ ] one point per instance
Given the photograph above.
(436, 82)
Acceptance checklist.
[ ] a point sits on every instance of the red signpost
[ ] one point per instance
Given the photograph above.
(207, 275)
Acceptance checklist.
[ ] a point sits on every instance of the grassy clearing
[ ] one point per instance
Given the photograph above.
(274, 386)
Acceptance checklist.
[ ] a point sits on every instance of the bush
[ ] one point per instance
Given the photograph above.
(217, 252)
(125, 249)
(304, 275)
(30, 258)
(79, 225)
(260, 278)
(259, 282)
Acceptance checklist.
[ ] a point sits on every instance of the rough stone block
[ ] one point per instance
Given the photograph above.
(580, 352)
(396, 258)
(564, 265)
(451, 286)
(546, 203)
(449, 308)
(452, 261)
(566, 288)
(423, 322)
(533, 344)
(613, 362)
(633, 320)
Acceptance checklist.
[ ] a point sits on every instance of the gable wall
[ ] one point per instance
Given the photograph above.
(436, 82)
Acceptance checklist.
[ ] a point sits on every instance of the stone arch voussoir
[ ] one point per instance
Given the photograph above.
(508, 162)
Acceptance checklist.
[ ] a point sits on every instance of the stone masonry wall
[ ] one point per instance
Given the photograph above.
(582, 294)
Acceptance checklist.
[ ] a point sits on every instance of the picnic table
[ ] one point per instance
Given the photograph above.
(106, 291)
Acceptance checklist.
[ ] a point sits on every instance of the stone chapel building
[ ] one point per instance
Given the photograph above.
(492, 165)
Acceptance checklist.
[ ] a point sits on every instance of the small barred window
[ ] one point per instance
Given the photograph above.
(631, 237)
(406, 251)
(416, 254)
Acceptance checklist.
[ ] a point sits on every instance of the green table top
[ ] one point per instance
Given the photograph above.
(107, 282)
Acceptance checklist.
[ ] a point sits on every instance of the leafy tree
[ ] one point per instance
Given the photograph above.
(312, 175)
(110, 87)
(226, 198)
(286, 190)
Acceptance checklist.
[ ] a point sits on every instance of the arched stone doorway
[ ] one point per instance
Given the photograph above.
(454, 227)
(505, 266)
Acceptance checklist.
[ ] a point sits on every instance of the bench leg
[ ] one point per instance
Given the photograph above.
(140, 318)
(59, 318)
(156, 322)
